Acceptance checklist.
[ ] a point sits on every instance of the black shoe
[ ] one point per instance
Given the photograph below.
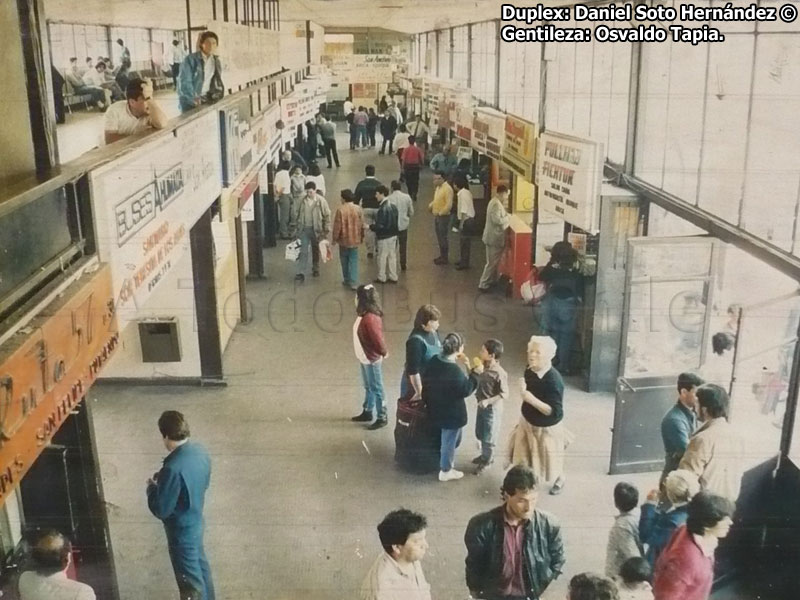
(402, 267)
(330, 166)
(364, 417)
(315, 273)
(460, 267)
(483, 466)
(300, 277)
(370, 255)
(378, 424)
(378, 281)
(440, 261)
(478, 460)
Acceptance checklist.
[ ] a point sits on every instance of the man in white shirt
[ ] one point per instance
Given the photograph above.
(51, 555)
(466, 217)
(282, 186)
(137, 113)
(405, 210)
(177, 54)
(397, 573)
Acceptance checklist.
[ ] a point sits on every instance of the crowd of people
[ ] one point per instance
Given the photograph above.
(663, 550)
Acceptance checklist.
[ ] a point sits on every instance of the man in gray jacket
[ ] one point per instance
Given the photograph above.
(513, 551)
(494, 237)
(311, 220)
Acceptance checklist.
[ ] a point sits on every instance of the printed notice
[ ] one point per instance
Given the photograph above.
(632, 22)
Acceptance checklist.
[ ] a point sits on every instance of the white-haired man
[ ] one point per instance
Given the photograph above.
(540, 438)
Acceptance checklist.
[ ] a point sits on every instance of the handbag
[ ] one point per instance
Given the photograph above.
(533, 289)
(325, 252)
(292, 251)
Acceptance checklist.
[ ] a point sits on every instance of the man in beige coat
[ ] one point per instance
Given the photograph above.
(715, 452)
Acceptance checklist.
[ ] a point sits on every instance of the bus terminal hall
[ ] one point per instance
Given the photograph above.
(409, 300)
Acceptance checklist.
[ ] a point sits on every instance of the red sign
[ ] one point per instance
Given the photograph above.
(45, 374)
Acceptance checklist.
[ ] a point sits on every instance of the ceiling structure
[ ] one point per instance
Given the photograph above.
(407, 16)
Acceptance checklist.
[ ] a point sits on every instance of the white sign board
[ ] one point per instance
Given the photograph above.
(361, 68)
(247, 53)
(569, 173)
(145, 204)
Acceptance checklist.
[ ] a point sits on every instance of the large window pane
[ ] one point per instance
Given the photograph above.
(684, 120)
(583, 89)
(773, 166)
(651, 132)
(620, 92)
(722, 172)
(531, 78)
(601, 91)
(565, 92)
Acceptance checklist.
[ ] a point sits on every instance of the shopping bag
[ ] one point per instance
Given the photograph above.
(533, 289)
(293, 250)
(325, 252)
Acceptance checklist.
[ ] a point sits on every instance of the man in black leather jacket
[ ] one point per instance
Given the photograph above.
(513, 551)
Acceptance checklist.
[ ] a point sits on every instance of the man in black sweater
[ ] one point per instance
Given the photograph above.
(514, 551)
(366, 198)
(385, 229)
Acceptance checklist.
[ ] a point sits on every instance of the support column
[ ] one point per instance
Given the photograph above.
(205, 298)
(28, 123)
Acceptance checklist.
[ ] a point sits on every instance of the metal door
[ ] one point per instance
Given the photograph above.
(669, 285)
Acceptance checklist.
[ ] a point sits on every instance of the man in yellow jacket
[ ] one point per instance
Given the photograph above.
(440, 207)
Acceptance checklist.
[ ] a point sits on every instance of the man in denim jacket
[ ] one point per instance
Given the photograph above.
(200, 79)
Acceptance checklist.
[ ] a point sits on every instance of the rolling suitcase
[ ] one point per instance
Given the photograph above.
(417, 443)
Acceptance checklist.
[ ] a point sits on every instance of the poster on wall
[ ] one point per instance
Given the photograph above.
(519, 147)
(569, 173)
(488, 131)
(362, 68)
(142, 229)
(235, 141)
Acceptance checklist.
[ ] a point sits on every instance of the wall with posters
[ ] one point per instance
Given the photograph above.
(247, 53)
(142, 231)
(488, 131)
(519, 147)
(361, 68)
(569, 172)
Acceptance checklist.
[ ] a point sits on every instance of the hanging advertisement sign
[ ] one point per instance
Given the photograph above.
(569, 173)
(430, 101)
(47, 373)
(145, 203)
(271, 117)
(465, 116)
(519, 147)
(488, 131)
(416, 88)
(290, 111)
(361, 68)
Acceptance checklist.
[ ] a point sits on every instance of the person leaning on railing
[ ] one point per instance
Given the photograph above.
(137, 113)
(200, 79)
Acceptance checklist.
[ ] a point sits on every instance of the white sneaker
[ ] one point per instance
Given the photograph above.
(450, 475)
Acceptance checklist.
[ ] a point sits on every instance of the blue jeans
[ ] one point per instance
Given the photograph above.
(487, 426)
(372, 376)
(349, 260)
(561, 316)
(442, 227)
(308, 242)
(361, 132)
(191, 568)
(451, 438)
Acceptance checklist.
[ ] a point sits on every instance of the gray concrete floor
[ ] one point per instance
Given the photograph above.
(297, 489)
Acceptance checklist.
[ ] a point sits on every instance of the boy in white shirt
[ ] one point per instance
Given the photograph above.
(466, 217)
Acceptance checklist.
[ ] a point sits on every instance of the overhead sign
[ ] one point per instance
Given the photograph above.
(361, 68)
(488, 131)
(47, 373)
(569, 172)
(146, 202)
(465, 116)
(519, 148)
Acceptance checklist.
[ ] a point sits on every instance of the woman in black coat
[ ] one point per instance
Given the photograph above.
(445, 386)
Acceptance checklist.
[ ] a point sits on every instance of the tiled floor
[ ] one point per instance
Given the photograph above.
(298, 489)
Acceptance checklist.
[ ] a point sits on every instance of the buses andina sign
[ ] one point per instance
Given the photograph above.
(45, 375)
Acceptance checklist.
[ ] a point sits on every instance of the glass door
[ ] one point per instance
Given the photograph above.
(669, 284)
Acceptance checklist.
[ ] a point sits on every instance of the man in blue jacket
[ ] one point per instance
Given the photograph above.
(175, 495)
(679, 423)
(200, 77)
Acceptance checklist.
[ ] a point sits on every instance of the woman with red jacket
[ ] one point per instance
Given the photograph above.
(370, 348)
